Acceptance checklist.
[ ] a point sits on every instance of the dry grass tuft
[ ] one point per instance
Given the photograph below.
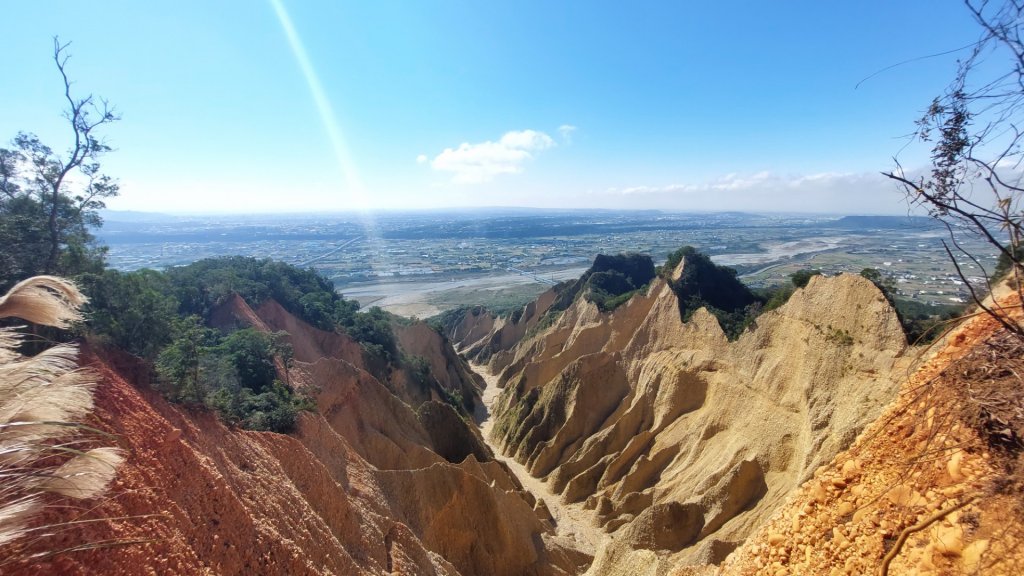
(45, 300)
(42, 450)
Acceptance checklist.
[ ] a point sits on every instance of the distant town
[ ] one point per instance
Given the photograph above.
(420, 263)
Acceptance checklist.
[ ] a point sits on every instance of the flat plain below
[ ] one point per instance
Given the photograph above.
(425, 298)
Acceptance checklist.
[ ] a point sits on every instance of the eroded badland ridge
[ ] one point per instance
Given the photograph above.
(679, 440)
(684, 445)
(628, 441)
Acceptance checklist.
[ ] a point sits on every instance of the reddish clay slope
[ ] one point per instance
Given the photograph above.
(223, 501)
(308, 343)
(929, 484)
(357, 489)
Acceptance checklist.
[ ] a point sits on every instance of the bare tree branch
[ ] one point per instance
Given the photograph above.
(50, 199)
(85, 147)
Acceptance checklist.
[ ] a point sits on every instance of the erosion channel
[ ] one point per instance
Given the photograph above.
(574, 526)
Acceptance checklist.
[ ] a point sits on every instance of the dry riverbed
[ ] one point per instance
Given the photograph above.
(423, 298)
(573, 523)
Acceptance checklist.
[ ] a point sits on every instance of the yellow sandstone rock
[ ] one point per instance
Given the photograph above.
(972, 553)
(845, 508)
(954, 465)
(904, 495)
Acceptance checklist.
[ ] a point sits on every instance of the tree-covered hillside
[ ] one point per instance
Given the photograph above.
(165, 319)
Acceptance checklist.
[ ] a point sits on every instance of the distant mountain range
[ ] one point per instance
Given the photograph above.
(886, 222)
(136, 216)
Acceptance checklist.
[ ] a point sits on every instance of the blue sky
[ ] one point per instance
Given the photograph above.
(393, 105)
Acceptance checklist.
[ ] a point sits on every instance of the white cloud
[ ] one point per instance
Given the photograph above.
(565, 131)
(475, 163)
(421, 159)
(837, 192)
(764, 181)
(527, 140)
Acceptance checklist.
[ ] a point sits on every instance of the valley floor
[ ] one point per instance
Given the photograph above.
(574, 525)
(423, 298)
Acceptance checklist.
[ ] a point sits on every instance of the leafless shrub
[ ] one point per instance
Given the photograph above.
(974, 186)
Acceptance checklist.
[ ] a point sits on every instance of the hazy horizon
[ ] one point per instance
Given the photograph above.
(111, 212)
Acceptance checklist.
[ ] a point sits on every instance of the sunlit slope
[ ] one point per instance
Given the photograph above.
(681, 441)
(931, 487)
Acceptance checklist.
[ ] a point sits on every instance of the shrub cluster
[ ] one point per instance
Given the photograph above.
(613, 280)
(1004, 264)
(164, 316)
(234, 374)
(704, 284)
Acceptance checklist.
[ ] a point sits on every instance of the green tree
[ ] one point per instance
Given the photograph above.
(134, 311)
(180, 367)
(252, 352)
(203, 285)
(801, 278)
(373, 330)
(49, 201)
(255, 398)
(704, 284)
(235, 375)
(1004, 264)
(883, 282)
(919, 322)
(273, 410)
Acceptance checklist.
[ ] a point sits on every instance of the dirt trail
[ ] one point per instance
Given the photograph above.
(572, 521)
